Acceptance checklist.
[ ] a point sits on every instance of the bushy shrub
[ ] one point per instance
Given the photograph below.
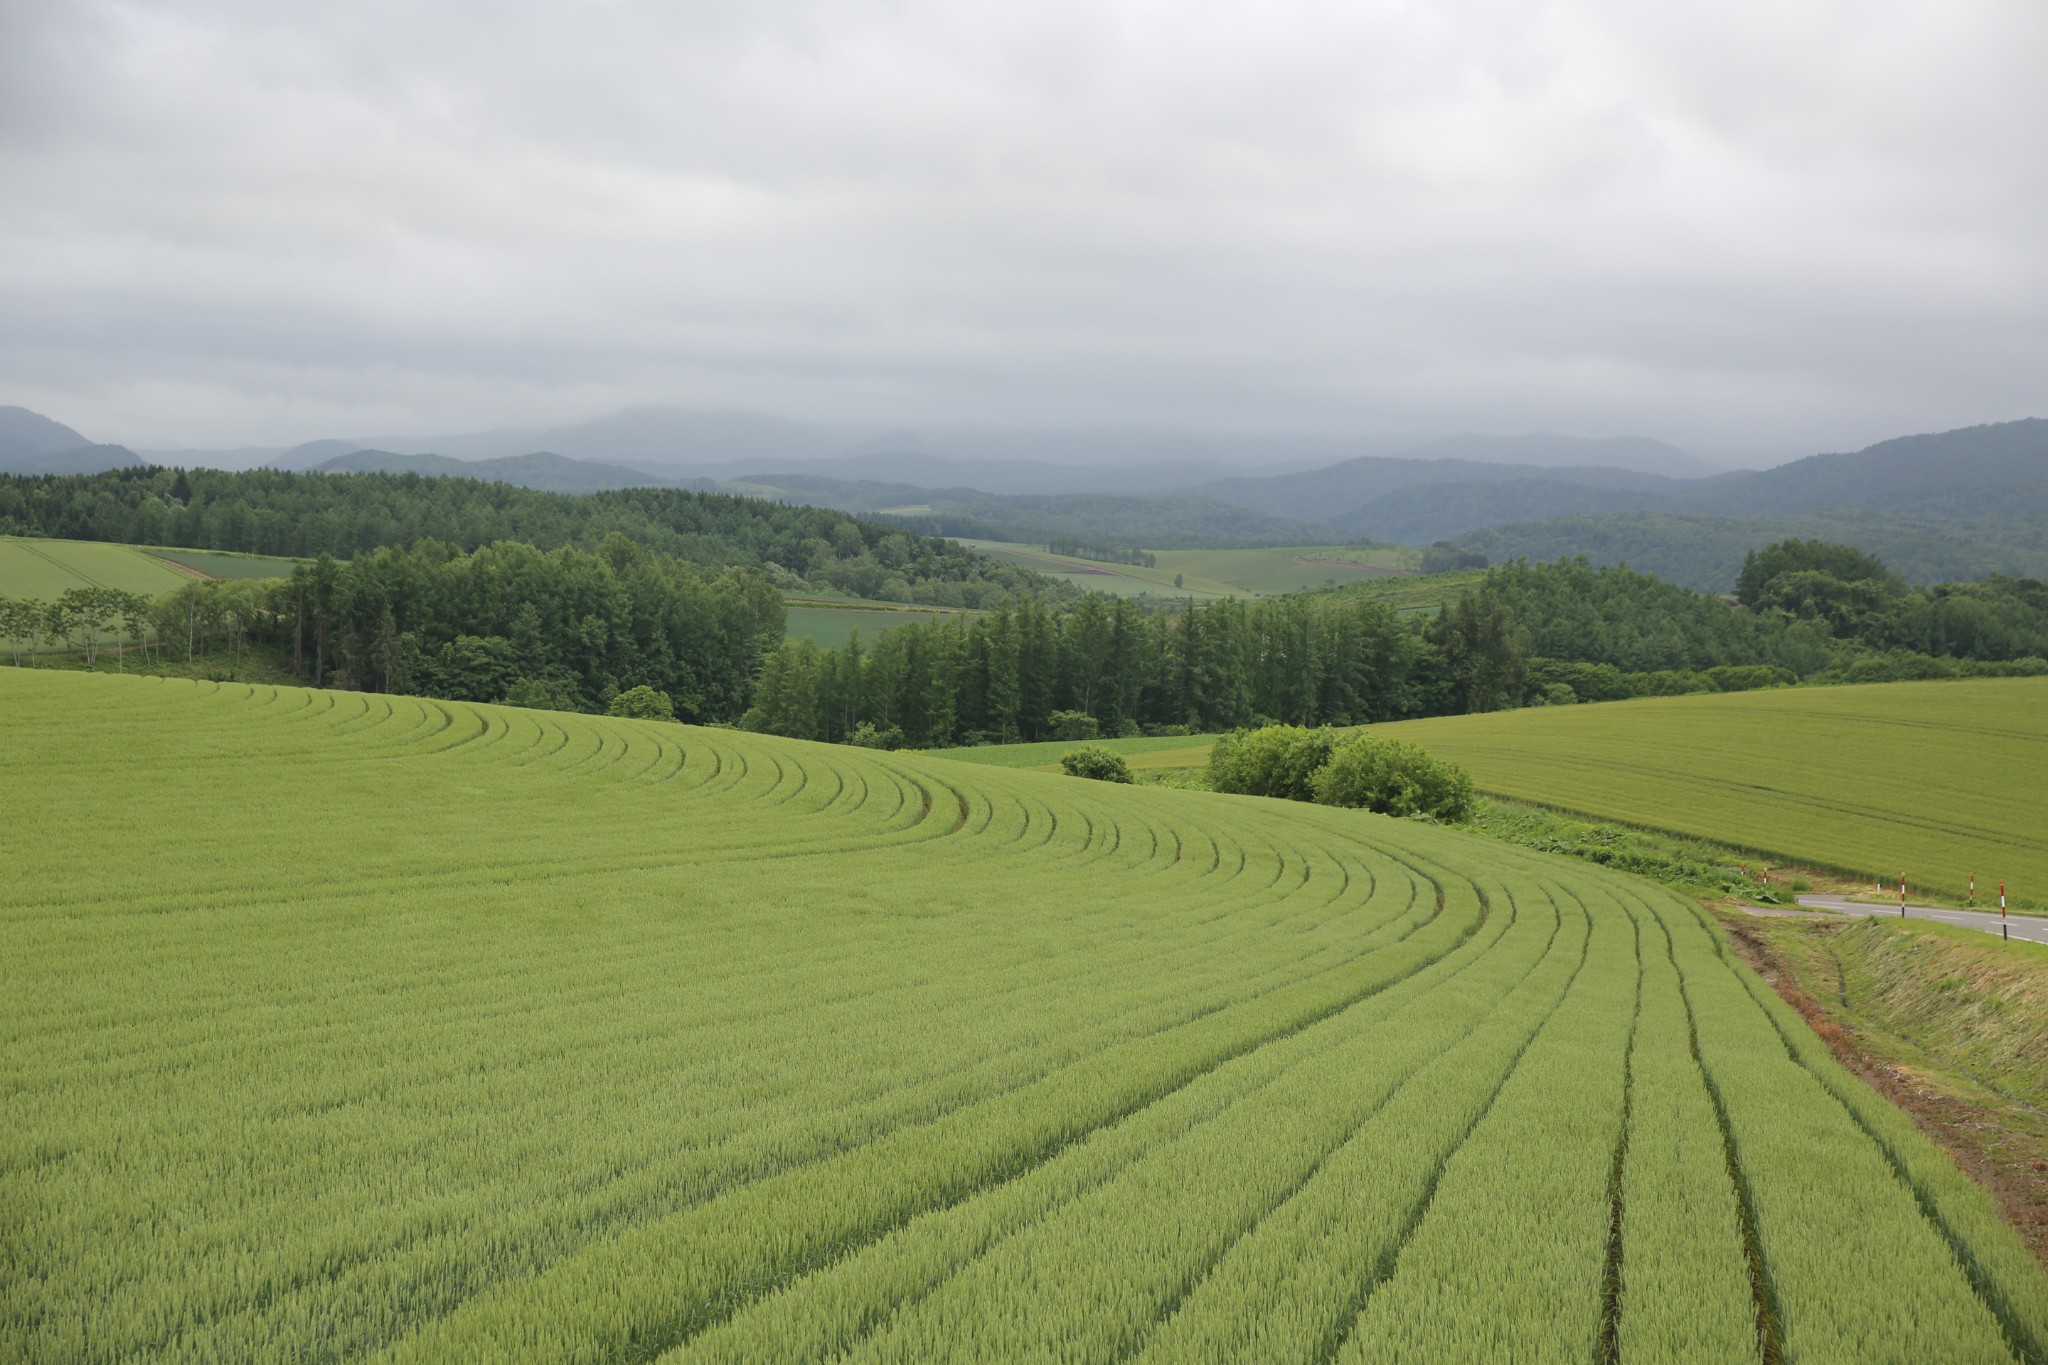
(1393, 778)
(1096, 762)
(1274, 760)
(544, 694)
(642, 703)
(865, 735)
(1075, 725)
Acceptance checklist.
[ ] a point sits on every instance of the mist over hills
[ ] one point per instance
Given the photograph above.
(1948, 505)
(542, 469)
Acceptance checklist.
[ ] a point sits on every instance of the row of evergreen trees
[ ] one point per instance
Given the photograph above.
(1215, 666)
(1100, 553)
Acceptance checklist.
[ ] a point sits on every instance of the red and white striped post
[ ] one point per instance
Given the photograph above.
(2004, 924)
(1973, 888)
(1902, 895)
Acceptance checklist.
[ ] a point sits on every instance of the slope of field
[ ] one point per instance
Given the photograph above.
(1290, 567)
(1935, 779)
(442, 1032)
(44, 570)
(1123, 580)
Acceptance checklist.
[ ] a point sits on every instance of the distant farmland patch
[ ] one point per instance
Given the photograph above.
(1209, 574)
(44, 570)
(220, 564)
(1288, 568)
(828, 621)
(1121, 580)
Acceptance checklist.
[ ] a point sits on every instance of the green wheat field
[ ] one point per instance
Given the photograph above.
(346, 1027)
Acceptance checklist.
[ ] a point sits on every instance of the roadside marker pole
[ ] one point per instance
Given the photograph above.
(2004, 925)
(1973, 888)
(1902, 895)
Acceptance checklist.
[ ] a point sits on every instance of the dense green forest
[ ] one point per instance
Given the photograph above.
(266, 511)
(562, 629)
(1706, 552)
(1528, 634)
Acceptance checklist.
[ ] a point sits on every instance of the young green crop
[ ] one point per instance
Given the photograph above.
(44, 570)
(344, 1027)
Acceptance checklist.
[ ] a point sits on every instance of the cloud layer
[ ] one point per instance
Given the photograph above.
(1732, 224)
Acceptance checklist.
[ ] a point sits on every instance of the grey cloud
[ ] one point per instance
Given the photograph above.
(1734, 224)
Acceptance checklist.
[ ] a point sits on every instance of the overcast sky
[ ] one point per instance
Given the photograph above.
(1734, 224)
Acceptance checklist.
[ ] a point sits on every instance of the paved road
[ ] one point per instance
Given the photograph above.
(2032, 928)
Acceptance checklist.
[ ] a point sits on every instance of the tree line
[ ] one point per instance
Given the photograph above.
(1526, 634)
(271, 512)
(1078, 548)
(1009, 674)
(570, 628)
(561, 629)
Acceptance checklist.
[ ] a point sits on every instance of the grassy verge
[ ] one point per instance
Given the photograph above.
(1947, 1023)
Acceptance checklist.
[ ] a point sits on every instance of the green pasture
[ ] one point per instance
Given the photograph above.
(1122, 580)
(1265, 571)
(1935, 779)
(346, 1027)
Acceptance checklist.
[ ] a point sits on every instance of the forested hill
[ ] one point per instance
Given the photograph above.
(267, 511)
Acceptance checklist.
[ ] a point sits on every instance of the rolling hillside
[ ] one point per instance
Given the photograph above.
(430, 1031)
(1932, 779)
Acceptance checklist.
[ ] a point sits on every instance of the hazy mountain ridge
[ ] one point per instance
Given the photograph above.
(84, 459)
(542, 469)
(26, 435)
(1953, 504)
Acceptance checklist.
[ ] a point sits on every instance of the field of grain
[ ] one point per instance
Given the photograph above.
(344, 1026)
(1935, 779)
(44, 570)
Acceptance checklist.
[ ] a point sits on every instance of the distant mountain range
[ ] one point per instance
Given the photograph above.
(1956, 504)
(683, 443)
(31, 443)
(543, 469)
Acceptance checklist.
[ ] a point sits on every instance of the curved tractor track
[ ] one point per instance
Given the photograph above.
(359, 1027)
